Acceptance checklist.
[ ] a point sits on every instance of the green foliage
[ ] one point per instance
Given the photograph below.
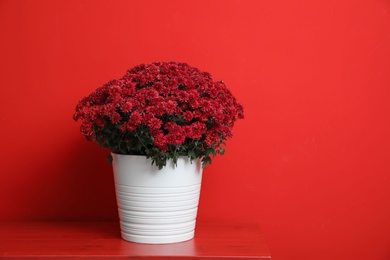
(140, 142)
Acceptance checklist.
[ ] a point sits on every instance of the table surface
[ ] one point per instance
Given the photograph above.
(101, 240)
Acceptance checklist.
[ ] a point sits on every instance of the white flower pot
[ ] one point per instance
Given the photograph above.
(156, 206)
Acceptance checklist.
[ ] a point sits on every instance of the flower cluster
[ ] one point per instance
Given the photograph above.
(162, 110)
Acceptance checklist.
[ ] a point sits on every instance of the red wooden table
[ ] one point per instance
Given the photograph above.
(101, 240)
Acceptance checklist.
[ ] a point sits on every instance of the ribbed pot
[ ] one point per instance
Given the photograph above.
(156, 206)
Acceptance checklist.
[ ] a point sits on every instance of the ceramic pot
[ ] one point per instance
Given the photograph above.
(156, 206)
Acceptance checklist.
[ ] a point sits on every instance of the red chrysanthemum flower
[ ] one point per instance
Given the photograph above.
(188, 116)
(135, 118)
(154, 123)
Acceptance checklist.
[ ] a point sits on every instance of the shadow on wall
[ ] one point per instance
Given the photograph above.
(76, 186)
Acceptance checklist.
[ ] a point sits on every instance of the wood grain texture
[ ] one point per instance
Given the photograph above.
(101, 240)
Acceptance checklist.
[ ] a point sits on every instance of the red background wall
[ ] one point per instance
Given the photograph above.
(310, 163)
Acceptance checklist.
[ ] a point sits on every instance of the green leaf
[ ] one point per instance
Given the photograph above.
(191, 154)
(206, 160)
(109, 158)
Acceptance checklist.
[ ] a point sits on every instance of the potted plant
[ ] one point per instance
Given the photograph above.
(159, 118)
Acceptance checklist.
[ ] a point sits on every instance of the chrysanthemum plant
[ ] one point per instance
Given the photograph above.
(161, 110)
